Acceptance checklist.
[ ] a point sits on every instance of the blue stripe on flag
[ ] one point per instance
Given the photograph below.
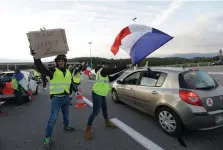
(147, 44)
(19, 76)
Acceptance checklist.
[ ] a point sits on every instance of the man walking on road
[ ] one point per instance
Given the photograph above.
(100, 90)
(60, 83)
(44, 79)
(76, 75)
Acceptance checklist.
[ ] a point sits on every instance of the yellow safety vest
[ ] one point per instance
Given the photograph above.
(101, 85)
(60, 83)
(36, 74)
(14, 84)
(77, 78)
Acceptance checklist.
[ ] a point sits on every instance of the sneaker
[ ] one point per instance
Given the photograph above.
(46, 143)
(109, 124)
(69, 128)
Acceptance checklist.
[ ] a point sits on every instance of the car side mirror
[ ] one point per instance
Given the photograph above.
(119, 82)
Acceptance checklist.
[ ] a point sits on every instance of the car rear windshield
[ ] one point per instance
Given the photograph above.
(197, 80)
(4, 77)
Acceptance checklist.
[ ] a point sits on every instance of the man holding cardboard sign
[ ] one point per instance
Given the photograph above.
(60, 83)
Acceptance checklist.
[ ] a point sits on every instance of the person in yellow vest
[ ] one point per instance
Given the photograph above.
(100, 90)
(76, 74)
(17, 88)
(60, 83)
(36, 74)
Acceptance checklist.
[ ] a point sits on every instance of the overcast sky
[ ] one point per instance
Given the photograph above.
(196, 26)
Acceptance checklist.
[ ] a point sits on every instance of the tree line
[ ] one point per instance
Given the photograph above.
(154, 61)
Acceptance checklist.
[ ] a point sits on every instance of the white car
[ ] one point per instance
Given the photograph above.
(30, 82)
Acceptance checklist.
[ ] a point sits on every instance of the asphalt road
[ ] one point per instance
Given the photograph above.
(24, 128)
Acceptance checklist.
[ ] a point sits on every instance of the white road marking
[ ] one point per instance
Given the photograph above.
(148, 144)
(88, 102)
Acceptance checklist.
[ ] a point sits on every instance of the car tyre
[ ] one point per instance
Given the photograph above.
(115, 98)
(169, 121)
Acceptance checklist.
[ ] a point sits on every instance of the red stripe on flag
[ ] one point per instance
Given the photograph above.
(87, 71)
(123, 33)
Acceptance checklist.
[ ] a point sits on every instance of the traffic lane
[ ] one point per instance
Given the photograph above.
(148, 127)
(24, 129)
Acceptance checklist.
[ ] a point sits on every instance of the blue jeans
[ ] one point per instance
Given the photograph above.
(56, 104)
(99, 102)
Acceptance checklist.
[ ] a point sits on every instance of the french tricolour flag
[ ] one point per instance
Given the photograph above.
(87, 70)
(139, 41)
(20, 79)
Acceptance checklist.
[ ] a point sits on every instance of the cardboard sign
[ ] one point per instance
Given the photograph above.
(48, 43)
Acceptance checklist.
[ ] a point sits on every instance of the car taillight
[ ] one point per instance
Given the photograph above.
(190, 97)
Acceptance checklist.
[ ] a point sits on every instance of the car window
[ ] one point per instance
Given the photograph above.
(123, 74)
(5, 77)
(148, 78)
(197, 80)
(161, 79)
(153, 79)
(132, 78)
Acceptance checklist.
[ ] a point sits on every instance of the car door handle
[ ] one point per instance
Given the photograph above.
(131, 89)
(154, 92)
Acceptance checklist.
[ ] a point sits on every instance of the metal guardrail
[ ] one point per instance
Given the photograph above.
(190, 64)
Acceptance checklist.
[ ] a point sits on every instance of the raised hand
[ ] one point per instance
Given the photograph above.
(32, 52)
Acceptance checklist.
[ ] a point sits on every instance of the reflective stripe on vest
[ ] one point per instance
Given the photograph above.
(14, 83)
(60, 83)
(77, 78)
(101, 85)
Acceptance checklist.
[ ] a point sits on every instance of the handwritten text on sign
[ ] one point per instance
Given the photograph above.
(48, 42)
(45, 45)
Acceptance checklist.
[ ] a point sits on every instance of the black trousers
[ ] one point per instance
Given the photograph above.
(44, 81)
(18, 97)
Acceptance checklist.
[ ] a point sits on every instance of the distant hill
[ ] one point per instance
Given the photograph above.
(10, 60)
(192, 55)
(179, 55)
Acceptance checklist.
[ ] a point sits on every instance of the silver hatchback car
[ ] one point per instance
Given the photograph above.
(178, 98)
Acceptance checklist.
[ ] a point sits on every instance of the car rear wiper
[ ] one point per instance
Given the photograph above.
(206, 87)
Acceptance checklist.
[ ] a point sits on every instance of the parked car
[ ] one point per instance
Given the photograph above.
(37, 79)
(6, 77)
(92, 75)
(177, 98)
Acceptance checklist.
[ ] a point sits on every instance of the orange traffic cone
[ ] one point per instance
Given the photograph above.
(80, 101)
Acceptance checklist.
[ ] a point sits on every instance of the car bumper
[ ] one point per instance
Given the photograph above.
(7, 96)
(198, 118)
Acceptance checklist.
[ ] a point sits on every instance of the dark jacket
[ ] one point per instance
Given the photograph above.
(109, 71)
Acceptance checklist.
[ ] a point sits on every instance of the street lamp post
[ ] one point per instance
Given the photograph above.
(90, 53)
(220, 55)
(134, 19)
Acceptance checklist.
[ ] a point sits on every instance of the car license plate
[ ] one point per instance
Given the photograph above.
(219, 119)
